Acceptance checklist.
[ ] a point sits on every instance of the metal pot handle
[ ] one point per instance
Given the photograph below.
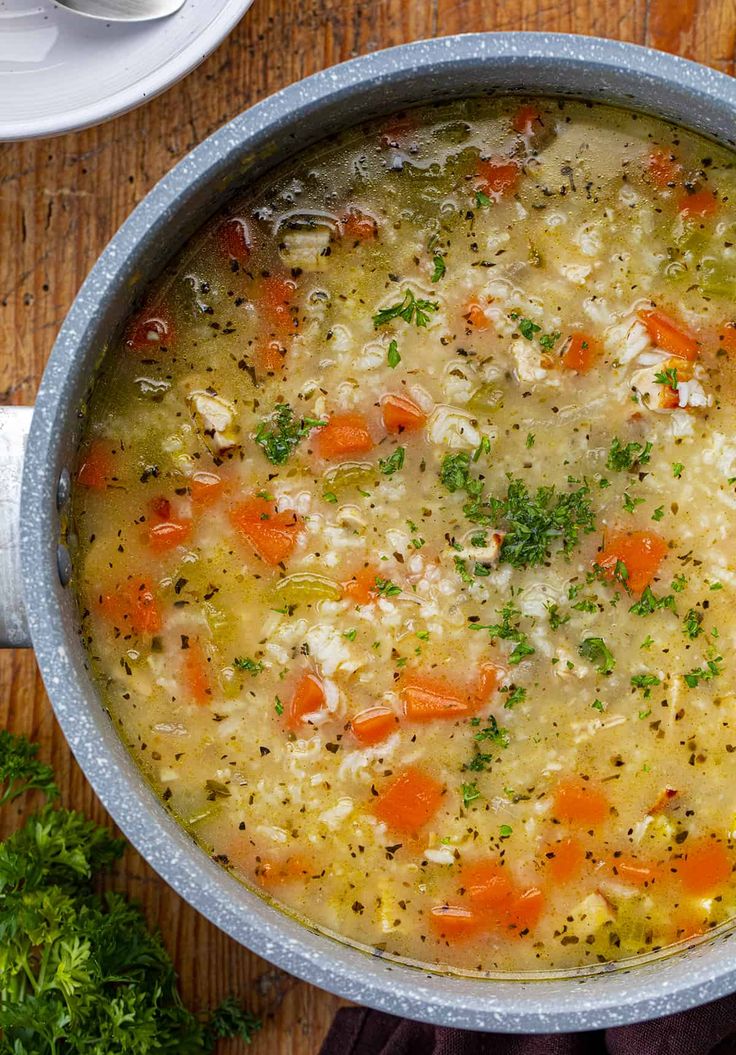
(15, 423)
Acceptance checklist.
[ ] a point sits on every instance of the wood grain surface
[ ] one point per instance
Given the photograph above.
(60, 202)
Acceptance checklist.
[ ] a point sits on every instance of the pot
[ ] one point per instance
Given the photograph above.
(43, 607)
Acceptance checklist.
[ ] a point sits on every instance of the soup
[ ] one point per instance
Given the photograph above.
(403, 536)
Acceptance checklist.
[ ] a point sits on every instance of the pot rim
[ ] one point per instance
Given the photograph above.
(609, 997)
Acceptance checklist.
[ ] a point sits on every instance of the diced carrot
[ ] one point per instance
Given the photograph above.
(663, 168)
(409, 802)
(344, 434)
(577, 802)
(699, 205)
(489, 677)
(727, 338)
(706, 866)
(426, 698)
(669, 335)
(498, 176)
(132, 607)
(581, 352)
(526, 908)
(235, 241)
(361, 587)
(455, 922)
(205, 488)
(640, 552)
(150, 331)
(490, 888)
(96, 469)
(635, 871)
(565, 860)
(309, 696)
(277, 295)
(477, 317)
(272, 535)
(488, 885)
(524, 119)
(169, 534)
(374, 724)
(270, 357)
(196, 678)
(358, 226)
(277, 873)
(401, 414)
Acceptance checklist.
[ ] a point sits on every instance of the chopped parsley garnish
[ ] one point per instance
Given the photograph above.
(530, 438)
(627, 458)
(386, 588)
(410, 309)
(668, 377)
(658, 513)
(350, 634)
(555, 619)
(679, 583)
(596, 650)
(482, 200)
(455, 473)
(647, 642)
(677, 468)
(649, 602)
(631, 503)
(508, 630)
(549, 340)
(252, 666)
(392, 356)
(516, 694)
(281, 432)
(461, 567)
(532, 522)
(470, 793)
(393, 463)
(585, 606)
(439, 268)
(278, 707)
(527, 328)
(330, 496)
(691, 624)
(505, 831)
(597, 705)
(492, 732)
(646, 682)
(711, 670)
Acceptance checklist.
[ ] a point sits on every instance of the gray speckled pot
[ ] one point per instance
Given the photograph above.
(270, 131)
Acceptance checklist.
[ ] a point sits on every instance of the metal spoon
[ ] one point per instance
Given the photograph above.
(123, 10)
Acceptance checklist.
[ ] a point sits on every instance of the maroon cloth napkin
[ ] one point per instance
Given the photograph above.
(706, 1030)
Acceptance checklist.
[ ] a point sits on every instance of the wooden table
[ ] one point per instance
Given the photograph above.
(62, 199)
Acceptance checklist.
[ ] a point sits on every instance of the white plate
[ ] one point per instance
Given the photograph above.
(60, 71)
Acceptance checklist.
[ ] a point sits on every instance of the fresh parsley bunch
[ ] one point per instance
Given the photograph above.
(80, 972)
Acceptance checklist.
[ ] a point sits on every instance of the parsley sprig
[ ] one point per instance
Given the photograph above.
(410, 309)
(80, 973)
